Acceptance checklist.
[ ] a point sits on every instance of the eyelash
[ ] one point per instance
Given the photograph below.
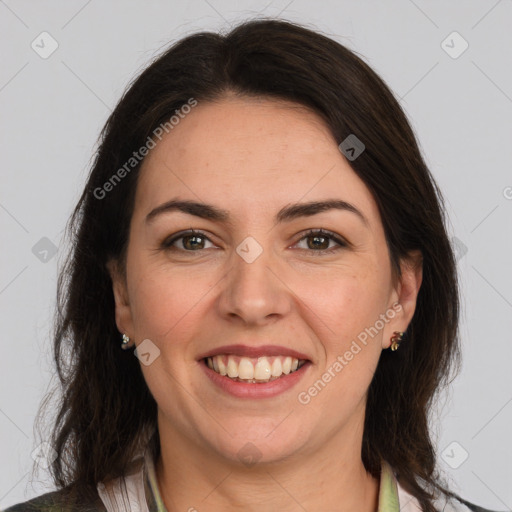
(168, 243)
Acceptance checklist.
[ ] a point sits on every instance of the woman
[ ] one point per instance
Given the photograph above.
(260, 226)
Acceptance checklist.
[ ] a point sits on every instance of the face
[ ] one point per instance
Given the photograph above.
(255, 278)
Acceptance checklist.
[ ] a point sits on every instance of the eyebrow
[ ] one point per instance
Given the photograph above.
(286, 214)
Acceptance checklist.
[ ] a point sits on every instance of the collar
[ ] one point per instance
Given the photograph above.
(138, 491)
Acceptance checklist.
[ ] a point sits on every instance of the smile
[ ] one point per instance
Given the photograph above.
(253, 370)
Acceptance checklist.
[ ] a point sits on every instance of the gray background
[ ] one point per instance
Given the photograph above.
(461, 109)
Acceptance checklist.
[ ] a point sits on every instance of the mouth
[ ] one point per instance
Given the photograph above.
(253, 370)
(262, 377)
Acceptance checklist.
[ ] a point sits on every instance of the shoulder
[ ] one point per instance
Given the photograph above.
(59, 501)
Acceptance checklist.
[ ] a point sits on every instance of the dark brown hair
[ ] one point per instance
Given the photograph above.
(106, 408)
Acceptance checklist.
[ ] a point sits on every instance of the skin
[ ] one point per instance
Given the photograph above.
(252, 157)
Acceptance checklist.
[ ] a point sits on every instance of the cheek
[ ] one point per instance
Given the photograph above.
(342, 303)
(164, 301)
(343, 313)
(171, 305)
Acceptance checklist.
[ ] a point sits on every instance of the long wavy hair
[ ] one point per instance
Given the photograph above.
(105, 409)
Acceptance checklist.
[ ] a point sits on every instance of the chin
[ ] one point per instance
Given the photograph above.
(257, 443)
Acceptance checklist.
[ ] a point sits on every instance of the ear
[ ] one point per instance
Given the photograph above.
(123, 311)
(404, 296)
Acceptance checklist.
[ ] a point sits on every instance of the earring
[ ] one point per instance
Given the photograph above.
(126, 342)
(396, 339)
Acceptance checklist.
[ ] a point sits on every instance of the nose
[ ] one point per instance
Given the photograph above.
(253, 292)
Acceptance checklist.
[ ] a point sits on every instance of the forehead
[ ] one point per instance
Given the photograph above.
(236, 152)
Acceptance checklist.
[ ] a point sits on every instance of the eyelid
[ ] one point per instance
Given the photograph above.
(168, 241)
(338, 239)
(342, 242)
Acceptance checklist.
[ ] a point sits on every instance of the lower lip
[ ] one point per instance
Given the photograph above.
(255, 390)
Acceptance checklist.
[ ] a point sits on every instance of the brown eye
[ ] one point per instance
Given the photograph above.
(318, 241)
(192, 241)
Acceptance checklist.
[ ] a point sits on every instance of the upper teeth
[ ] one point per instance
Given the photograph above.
(261, 368)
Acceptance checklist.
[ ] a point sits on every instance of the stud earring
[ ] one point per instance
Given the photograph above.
(126, 342)
(396, 339)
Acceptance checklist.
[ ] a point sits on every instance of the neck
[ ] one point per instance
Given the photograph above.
(331, 476)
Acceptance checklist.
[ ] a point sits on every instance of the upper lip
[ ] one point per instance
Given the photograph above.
(252, 351)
